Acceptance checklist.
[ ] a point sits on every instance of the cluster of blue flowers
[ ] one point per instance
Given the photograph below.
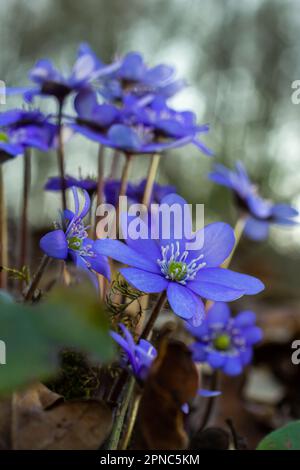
(124, 105)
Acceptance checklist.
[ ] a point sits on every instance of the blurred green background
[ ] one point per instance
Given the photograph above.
(239, 58)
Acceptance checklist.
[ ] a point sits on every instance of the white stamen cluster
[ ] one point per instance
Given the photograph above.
(173, 264)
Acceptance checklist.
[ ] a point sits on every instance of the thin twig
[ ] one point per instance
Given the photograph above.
(36, 278)
(154, 314)
(210, 402)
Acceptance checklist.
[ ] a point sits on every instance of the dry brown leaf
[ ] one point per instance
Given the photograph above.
(172, 382)
(41, 420)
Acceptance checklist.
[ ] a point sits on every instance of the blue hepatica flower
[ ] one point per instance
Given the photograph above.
(261, 213)
(72, 243)
(51, 82)
(54, 183)
(226, 342)
(22, 129)
(138, 356)
(135, 191)
(169, 264)
(134, 76)
(133, 129)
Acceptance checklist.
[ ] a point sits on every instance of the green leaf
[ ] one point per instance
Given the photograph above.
(33, 335)
(285, 438)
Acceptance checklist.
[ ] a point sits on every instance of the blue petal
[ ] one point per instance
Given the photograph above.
(225, 277)
(218, 314)
(218, 241)
(245, 318)
(252, 334)
(177, 226)
(100, 264)
(284, 211)
(246, 356)
(124, 137)
(215, 291)
(144, 281)
(199, 353)
(208, 393)
(124, 254)
(256, 230)
(233, 366)
(216, 359)
(54, 244)
(183, 302)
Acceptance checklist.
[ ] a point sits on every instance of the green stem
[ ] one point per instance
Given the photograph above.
(210, 402)
(25, 202)
(153, 167)
(120, 415)
(3, 233)
(100, 182)
(60, 156)
(238, 232)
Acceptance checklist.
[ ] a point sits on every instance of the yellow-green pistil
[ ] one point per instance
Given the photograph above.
(177, 270)
(3, 137)
(74, 243)
(222, 342)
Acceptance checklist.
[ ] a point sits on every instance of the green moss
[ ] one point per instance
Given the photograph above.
(77, 378)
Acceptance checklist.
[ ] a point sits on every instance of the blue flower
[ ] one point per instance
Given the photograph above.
(134, 128)
(133, 76)
(138, 356)
(135, 191)
(261, 213)
(225, 342)
(22, 129)
(168, 264)
(55, 184)
(71, 242)
(50, 82)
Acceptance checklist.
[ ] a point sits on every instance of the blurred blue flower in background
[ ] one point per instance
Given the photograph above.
(260, 213)
(21, 129)
(223, 341)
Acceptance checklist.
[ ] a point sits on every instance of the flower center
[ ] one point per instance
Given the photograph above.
(3, 137)
(173, 264)
(177, 270)
(222, 342)
(74, 243)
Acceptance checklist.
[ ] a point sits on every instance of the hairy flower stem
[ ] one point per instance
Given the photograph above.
(150, 179)
(60, 155)
(36, 278)
(210, 401)
(124, 183)
(114, 165)
(131, 421)
(153, 317)
(3, 233)
(24, 220)
(238, 232)
(100, 182)
(120, 415)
